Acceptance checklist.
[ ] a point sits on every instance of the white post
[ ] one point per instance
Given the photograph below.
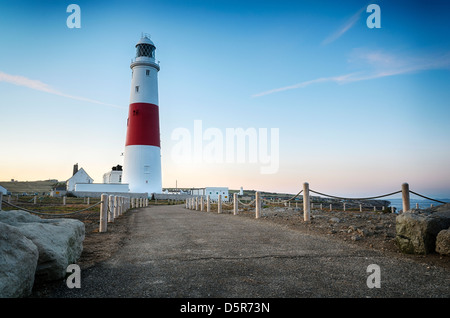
(202, 204)
(64, 200)
(235, 204)
(331, 207)
(103, 213)
(116, 214)
(35, 199)
(374, 208)
(360, 207)
(258, 206)
(344, 206)
(321, 206)
(110, 208)
(219, 204)
(208, 204)
(405, 197)
(88, 200)
(196, 203)
(306, 202)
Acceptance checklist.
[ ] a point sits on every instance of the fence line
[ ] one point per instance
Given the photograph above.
(111, 207)
(306, 201)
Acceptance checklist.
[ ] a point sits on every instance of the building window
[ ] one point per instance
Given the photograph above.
(137, 89)
(147, 72)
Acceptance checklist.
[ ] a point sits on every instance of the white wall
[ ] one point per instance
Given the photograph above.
(102, 187)
(114, 176)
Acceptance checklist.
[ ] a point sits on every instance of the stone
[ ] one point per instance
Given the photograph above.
(18, 262)
(334, 220)
(443, 242)
(59, 241)
(416, 230)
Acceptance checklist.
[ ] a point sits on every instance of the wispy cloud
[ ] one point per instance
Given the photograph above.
(43, 87)
(380, 65)
(344, 28)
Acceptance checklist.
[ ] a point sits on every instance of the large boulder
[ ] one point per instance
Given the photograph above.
(18, 261)
(417, 229)
(59, 241)
(443, 242)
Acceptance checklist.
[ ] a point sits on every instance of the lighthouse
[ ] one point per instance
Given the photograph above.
(142, 157)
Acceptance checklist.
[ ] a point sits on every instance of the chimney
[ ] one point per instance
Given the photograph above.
(75, 169)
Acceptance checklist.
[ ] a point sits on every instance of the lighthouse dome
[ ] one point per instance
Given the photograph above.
(145, 40)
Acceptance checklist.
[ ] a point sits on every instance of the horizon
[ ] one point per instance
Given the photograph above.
(312, 91)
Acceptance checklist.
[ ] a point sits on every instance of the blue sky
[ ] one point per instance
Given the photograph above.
(359, 111)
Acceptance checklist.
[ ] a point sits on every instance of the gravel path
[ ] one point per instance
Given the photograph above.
(171, 252)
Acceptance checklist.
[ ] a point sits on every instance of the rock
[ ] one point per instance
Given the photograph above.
(18, 261)
(355, 237)
(363, 232)
(417, 229)
(59, 241)
(443, 242)
(334, 220)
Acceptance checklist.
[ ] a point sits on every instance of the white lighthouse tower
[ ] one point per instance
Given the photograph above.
(142, 158)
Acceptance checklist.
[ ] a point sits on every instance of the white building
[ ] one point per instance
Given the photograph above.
(80, 176)
(113, 176)
(3, 190)
(213, 193)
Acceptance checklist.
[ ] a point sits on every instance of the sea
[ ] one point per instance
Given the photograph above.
(423, 203)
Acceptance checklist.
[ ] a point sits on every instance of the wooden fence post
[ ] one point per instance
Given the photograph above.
(110, 210)
(235, 203)
(219, 204)
(103, 213)
(306, 202)
(208, 203)
(115, 207)
(258, 205)
(405, 197)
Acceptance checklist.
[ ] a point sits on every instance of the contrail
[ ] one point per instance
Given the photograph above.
(43, 87)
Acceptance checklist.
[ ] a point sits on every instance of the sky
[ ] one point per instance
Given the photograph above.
(325, 96)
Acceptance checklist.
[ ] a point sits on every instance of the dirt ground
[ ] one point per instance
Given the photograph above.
(368, 229)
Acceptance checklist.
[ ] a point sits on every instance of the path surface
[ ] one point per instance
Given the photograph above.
(174, 252)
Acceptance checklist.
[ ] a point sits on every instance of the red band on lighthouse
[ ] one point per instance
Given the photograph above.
(143, 125)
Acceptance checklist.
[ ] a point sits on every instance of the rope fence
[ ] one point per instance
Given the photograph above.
(111, 207)
(198, 202)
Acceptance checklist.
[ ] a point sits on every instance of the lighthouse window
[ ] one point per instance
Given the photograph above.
(147, 72)
(137, 89)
